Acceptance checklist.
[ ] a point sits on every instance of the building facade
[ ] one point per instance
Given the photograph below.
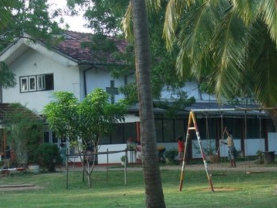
(41, 70)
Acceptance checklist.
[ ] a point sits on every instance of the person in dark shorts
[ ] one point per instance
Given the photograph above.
(231, 148)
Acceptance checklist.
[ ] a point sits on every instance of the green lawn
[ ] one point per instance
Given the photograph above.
(255, 190)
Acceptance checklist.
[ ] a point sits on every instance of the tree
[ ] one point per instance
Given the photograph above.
(152, 178)
(97, 117)
(62, 117)
(24, 133)
(18, 18)
(83, 123)
(105, 18)
(230, 44)
(6, 76)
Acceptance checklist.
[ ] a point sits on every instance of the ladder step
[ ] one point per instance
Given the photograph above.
(191, 128)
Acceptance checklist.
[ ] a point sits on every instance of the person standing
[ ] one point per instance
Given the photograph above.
(181, 148)
(231, 148)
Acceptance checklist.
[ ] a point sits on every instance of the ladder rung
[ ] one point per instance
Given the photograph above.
(191, 128)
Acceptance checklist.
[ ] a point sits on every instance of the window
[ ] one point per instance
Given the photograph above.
(32, 83)
(24, 84)
(41, 82)
(37, 83)
(117, 134)
(49, 82)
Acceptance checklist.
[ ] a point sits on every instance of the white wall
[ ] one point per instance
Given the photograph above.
(113, 158)
(99, 78)
(66, 78)
(254, 145)
(272, 142)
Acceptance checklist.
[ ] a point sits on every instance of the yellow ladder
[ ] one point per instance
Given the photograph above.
(192, 126)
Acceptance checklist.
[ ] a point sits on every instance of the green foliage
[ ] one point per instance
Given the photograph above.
(257, 190)
(6, 76)
(20, 18)
(89, 119)
(104, 16)
(230, 45)
(61, 115)
(97, 116)
(48, 156)
(171, 154)
(24, 132)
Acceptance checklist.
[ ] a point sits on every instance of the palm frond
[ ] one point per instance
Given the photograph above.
(262, 63)
(127, 23)
(174, 11)
(269, 9)
(229, 52)
(194, 37)
(153, 5)
(247, 10)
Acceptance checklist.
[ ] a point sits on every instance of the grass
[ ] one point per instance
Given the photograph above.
(257, 190)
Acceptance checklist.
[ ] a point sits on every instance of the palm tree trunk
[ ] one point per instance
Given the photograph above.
(152, 179)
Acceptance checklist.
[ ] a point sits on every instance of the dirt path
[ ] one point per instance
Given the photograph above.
(19, 187)
(241, 166)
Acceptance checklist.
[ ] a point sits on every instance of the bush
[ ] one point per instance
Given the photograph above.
(170, 155)
(48, 156)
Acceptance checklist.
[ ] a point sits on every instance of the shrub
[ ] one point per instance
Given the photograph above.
(170, 155)
(48, 156)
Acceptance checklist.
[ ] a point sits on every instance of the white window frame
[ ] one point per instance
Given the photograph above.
(41, 82)
(21, 84)
(35, 83)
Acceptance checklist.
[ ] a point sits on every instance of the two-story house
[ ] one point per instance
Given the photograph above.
(40, 70)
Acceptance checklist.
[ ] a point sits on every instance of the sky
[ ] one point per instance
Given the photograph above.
(76, 23)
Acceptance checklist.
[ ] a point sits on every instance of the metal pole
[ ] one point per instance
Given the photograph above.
(107, 164)
(125, 168)
(66, 163)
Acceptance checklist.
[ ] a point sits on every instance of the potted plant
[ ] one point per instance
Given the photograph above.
(124, 160)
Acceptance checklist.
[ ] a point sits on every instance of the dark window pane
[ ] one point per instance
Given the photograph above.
(130, 131)
(202, 127)
(54, 138)
(49, 82)
(168, 130)
(105, 140)
(179, 128)
(32, 83)
(253, 128)
(24, 84)
(117, 134)
(210, 128)
(46, 137)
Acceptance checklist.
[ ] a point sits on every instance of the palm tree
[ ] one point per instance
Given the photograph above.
(152, 179)
(229, 43)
